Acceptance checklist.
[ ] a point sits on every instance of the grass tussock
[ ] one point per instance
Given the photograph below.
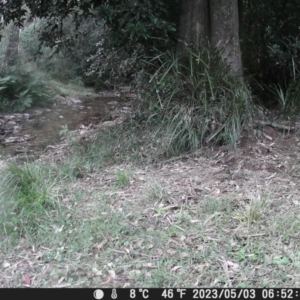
(287, 97)
(27, 198)
(254, 210)
(195, 101)
(156, 192)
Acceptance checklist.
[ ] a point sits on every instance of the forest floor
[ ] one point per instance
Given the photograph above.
(214, 218)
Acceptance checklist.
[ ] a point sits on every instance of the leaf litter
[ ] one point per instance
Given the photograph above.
(190, 223)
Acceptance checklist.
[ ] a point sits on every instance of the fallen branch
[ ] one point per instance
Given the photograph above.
(279, 126)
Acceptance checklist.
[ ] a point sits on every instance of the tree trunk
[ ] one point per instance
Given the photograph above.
(216, 21)
(194, 23)
(12, 51)
(224, 16)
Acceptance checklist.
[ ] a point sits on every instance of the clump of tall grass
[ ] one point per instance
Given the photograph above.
(194, 101)
(288, 97)
(26, 199)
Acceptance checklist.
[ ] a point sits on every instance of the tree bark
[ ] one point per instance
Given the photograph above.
(224, 16)
(12, 51)
(194, 23)
(216, 21)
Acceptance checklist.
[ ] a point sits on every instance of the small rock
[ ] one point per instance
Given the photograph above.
(9, 117)
(38, 112)
(75, 101)
(61, 117)
(112, 103)
(26, 116)
(16, 129)
(11, 123)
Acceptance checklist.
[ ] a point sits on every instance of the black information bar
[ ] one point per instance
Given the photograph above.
(153, 294)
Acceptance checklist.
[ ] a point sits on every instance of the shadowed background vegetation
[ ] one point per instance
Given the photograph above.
(117, 43)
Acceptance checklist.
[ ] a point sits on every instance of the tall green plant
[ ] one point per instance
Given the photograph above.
(287, 97)
(21, 89)
(25, 198)
(197, 100)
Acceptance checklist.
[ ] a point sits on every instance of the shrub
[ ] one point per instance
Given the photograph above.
(20, 88)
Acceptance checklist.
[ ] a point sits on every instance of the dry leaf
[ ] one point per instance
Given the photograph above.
(97, 272)
(99, 246)
(148, 265)
(202, 266)
(139, 243)
(184, 255)
(112, 274)
(160, 252)
(60, 280)
(27, 280)
(232, 265)
(58, 230)
(268, 137)
(39, 255)
(176, 268)
(182, 238)
(6, 265)
(150, 246)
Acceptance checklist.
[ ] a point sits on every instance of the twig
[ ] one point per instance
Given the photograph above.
(186, 156)
(253, 235)
(224, 265)
(279, 126)
(211, 136)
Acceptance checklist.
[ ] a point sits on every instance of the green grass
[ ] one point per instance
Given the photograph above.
(253, 211)
(156, 192)
(123, 178)
(195, 102)
(287, 97)
(27, 199)
(92, 232)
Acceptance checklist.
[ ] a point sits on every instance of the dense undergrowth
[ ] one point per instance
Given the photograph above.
(21, 88)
